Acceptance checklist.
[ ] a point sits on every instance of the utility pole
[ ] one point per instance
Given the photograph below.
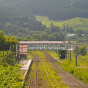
(76, 56)
(70, 51)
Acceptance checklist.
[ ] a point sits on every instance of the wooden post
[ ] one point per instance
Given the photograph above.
(22, 53)
(68, 51)
(60, 52)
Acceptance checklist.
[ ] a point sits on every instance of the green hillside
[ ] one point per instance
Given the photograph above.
(76, 23)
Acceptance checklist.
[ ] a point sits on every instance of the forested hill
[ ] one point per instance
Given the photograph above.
(54, 9)
(20, 26)
(41, 28)
(28, 28)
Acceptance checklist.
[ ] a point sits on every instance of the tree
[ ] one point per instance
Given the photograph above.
(71, 30)
(44, 36)
(51, 37)
(2, 40)
(37, 36)
(83, 51)
(10, 41)
(54, 28)
(79, 33)
(59, 36)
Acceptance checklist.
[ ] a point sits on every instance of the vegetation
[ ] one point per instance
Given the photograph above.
(77, 26)
(28, 28)
(77, 23)
(81, 50)
(10, 76)
(42, 29)
(62, 17)
(20, 26)
(79, 71)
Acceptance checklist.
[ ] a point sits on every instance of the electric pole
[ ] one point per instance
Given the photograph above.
(76, 56)
(70, 51)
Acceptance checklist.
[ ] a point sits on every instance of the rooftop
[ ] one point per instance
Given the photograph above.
(43, 42)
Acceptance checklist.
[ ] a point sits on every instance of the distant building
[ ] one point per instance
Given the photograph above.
(70, 34)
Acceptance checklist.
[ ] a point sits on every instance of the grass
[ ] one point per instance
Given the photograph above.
(80, 71)
(30, 55)
(76, 23)
(54, 54)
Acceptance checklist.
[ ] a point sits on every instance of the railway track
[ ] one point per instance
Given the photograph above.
(67, 78)
(48, 76)
(34, 80)
(57, 86)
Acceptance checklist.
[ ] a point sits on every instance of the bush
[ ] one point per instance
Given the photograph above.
(10, 59)
(10, 77)
(83, 51)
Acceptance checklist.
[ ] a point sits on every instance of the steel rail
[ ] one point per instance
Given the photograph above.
(33, 82)
(47, 75)
(53, 77)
